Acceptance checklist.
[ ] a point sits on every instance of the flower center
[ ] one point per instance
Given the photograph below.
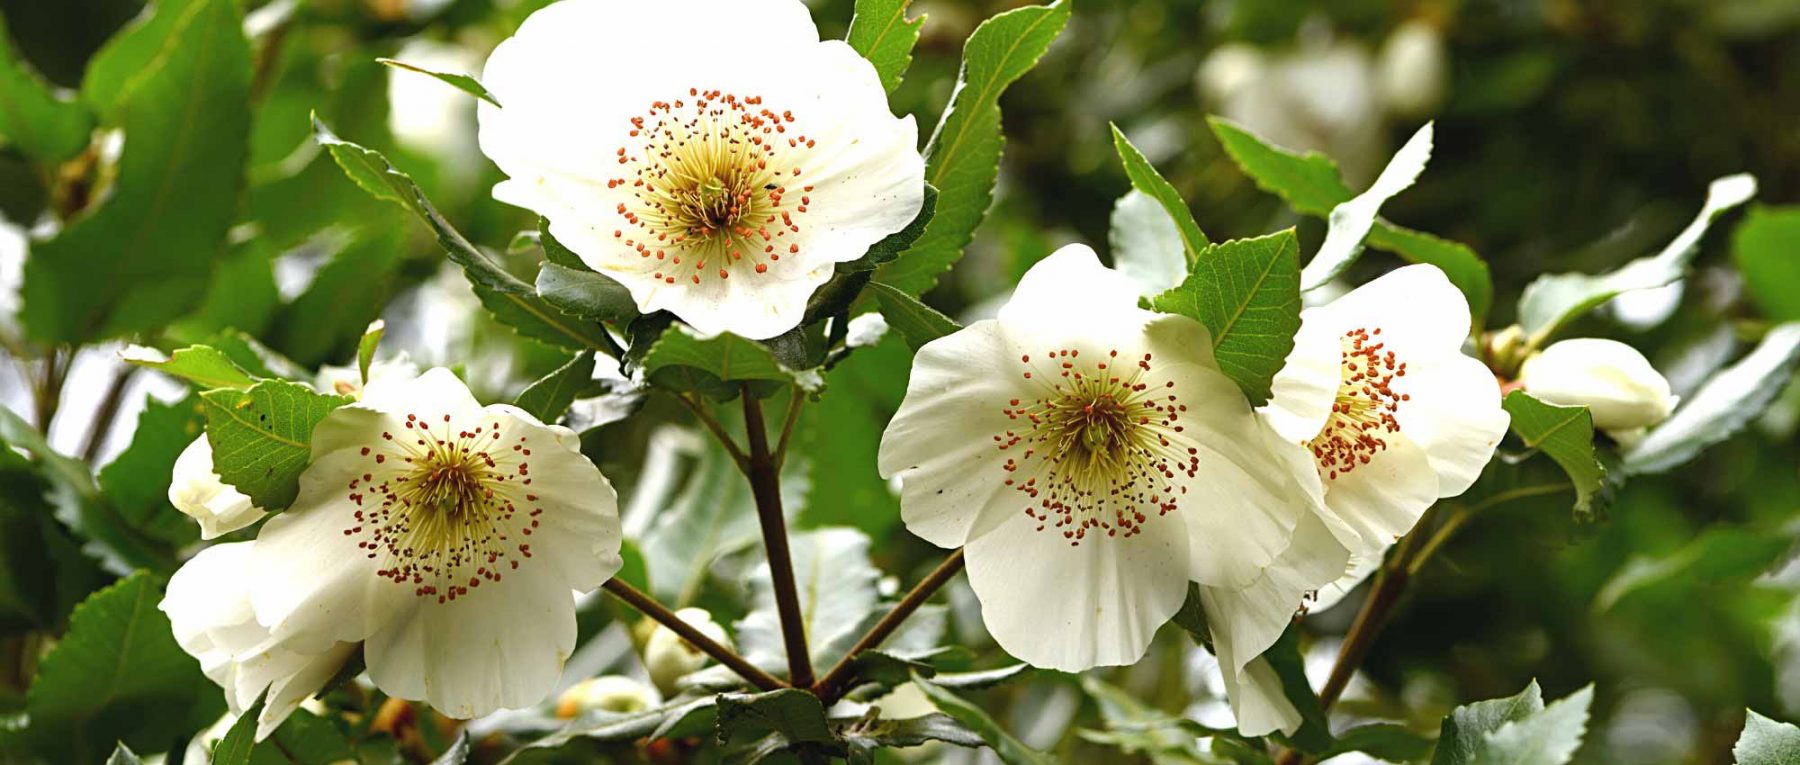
(441, 507)
(1365, 406)
(714, 180)
(1099, 445)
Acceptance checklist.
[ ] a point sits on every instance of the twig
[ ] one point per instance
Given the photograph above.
(108, 411)
(712, 423)
(831, 687)
(49, 388)
(648, 606)
(787, 426)
(765, 485)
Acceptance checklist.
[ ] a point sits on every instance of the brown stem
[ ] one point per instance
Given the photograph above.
(712, 423)
(108, 411)
(648, 606)
(787, 426)
(765, 485)
(49, 390)
(831, 687)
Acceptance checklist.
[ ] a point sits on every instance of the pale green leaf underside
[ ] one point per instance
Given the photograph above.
(1728, 401)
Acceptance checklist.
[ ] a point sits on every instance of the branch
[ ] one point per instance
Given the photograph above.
(712, 423)
(108, 411)
(649, 607)
(765, 485)
(831, 687)
(787, 427)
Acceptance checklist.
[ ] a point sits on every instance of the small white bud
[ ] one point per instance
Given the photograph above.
(669, 658)
(1411, 73)
(607, 693)
(1611, 378)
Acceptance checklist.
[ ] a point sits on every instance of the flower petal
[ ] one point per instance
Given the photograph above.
(1418, 310)
(1382, 498)
(1305, 388)
(1455, 417)
(1072, 607)
(941, 444)
(1051, 296)
(199, 493)
(501, 646)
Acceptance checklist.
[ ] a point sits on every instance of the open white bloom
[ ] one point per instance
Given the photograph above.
(1378, 389)
(1091, 459)
(668, 657)
(208, 603)
(1614, 381)
(714, 156)
(446, 536)
(201, 494)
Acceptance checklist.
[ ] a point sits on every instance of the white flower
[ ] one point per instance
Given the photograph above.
(1378, 390)
(1394, 416)
(669, 658)
(608, 693)
(1614, 381)
(201, 494)
(447, 537)
(1092, 459)
(208, 603)
(714, 156)
(347, 380)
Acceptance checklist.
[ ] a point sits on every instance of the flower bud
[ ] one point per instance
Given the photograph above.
(1612, 379)
(607, 693)
(669, 658)
(198, 492)
(1411, 73)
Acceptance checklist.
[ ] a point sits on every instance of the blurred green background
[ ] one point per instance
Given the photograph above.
(1570, 136)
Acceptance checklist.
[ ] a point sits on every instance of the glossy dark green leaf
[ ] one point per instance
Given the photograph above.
(962, 159)
(178, 84)
(880, 31)
(1008, 748)
(585, 294)
(33, 117)
(137, 480)
(262, 437)
(549, 397)
(717, 367)
(240, 739)
(793, 714)
(1247, 293)
(1566, 433)
(916, 322)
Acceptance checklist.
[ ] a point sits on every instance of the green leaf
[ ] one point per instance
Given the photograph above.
(1145, 179)
(203, 365)
(1192, 617)
(549, 397)
(837, 588)
(1721, 555)
(717, 367)
(80, 505)
(347, 293)
(305, 739)
(1247, 293)
(1284, 657)
(981, 678)
(1547, 737)
(178, 83)
(512, 301)
(916, 322)
(1009, 749)
(1383, 741)
(1763, 248)
(962, 159)
(791, 713)
(137, 481)
(839, 439)
(1351, 220)
(1311, 184)
(554, 251)
(43, 573)
(1460, 736)
(461, 82)
(117, 675)
(1554, 299)
(1566, 433)
(262, 437)
(1137, 728)
(43, 126)
(881, 32)
(365, 348)
(893, 244)
(1728, 401)
(585, 294)
(1766, 742)
(234, 748)
(912, 731)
